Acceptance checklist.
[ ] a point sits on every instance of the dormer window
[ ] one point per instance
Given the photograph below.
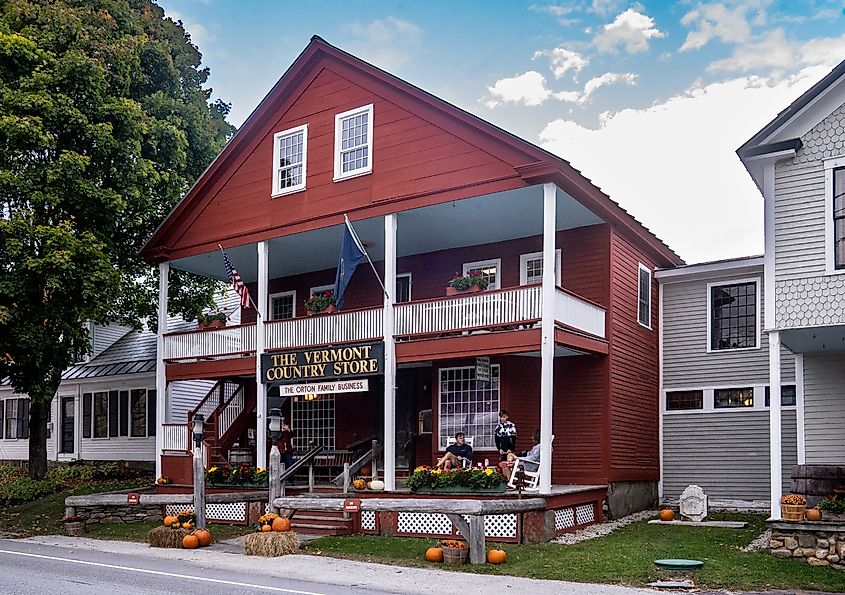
(353, 143)
(290, 149)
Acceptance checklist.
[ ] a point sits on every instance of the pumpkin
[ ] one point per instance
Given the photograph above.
(187, 526)
(376, 485)
(667, 514)
(280, 524)
(204, 537)
(266, 528)
(170, 519)
(496, 556)
(190, 542)
(434, 554)
(814, 514)
(359, 484)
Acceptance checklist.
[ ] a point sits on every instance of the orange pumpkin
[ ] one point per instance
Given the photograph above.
(497, 556)
(281, 524)
(170, 519)
(190, 542)
(813, 514)
(266, 528)
(667, 514)
(204, 537)
(187, 526)
(434, 554)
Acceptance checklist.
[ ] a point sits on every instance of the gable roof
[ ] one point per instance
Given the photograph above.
(540, 165)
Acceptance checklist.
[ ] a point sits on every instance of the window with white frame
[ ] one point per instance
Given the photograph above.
(353, 139)
(468, 405)
(680, 400)
(16, 418)
(728, 398)
(787, 395)
(123, 413)
(732, 310)
(313, 419)
(290, 151)
(282, 305)
(834, 206)
(489, 269)
(644, 296)
(531, 268)
(403, 288)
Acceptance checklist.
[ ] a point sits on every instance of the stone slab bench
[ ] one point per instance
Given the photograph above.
(121, 499)
(455, 510)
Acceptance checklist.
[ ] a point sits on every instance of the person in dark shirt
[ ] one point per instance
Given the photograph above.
(505, 436)
(456, 453)
(285, 444)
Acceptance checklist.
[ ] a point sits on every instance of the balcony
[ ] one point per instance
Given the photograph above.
(502, 310)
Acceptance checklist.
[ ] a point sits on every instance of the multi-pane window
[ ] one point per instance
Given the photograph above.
(787, 395)
(468, 405)
(16, 418)
(138, 404)
(353, 142)
(726, 398)
(101, 415)
(282, 305)
(839, 218)
(119, 413)
(531, 268)
(644, 296)
(313, 419)
(403, 288)
(680, 400)
(289, 160)
(733, 316)
(489, 269)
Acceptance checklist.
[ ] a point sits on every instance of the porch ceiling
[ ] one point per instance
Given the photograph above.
(480, 220)
(814, 340)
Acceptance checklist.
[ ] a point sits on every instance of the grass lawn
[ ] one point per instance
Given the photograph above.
(623, 557)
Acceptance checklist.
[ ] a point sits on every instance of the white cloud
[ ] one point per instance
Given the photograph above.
(530, 89)
(630, 29)
(563, 60)
(715, 21)
(387, 43)
(673, 164)
(608, 78)
(775, 52)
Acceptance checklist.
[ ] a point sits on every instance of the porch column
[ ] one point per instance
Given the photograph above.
(161, 376)
(260, 346)
(389, 353)
(547, 344)
(799, 407)
(774, 423)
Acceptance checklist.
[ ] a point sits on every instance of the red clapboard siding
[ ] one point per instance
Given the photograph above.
(634, 369)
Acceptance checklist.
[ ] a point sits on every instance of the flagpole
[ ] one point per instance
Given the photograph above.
(361, 247)
(251, 301)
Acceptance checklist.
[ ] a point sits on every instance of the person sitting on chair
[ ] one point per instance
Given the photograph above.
(532, 456)
(456, 453)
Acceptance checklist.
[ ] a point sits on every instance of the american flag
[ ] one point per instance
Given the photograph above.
(235, 280)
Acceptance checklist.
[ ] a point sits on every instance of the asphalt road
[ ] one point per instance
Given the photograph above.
(47, 570)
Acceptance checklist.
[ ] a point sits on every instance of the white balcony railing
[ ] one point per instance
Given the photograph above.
(174, 437)
(341, 327)
(578, 313)
(478, 310)
(227, 341)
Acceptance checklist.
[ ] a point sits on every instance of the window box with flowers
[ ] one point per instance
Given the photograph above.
(429, 480)
(237, 475)
(211, 320)
(472, 282)
(320, 302)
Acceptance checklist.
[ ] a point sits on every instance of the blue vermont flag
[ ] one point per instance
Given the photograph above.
(351, 255)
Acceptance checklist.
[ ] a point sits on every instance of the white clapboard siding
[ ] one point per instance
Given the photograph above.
(824, 408)
(726, 453)
(118, 449)
(103, 337)
(18, 449)
(686, 363)
(184, 396)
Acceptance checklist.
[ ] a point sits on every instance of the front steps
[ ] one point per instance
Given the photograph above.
(321, 523)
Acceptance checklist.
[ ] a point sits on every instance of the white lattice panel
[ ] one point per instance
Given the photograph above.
(496, 525)
(368, 520)
(177, 508)
(585, 513)
(236, 511)
(564, 518)
(423, 522)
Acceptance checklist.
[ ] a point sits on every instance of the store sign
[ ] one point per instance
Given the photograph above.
(323, 363)
(482, 369)
(325, 388)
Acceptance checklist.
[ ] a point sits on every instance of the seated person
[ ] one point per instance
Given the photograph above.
(456, 453)
(532, 456)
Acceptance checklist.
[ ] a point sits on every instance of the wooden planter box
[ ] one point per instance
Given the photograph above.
(329, 310)
(454, 291)
(206, 326)
(460, 490)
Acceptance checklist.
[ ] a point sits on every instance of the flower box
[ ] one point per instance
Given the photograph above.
(427, 480)
(330, 309)
(212, 324)
(461, 490)
(455, 291)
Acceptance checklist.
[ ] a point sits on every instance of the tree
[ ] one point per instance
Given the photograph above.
(104, 124)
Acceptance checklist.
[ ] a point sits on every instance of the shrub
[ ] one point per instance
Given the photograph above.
(26, 489)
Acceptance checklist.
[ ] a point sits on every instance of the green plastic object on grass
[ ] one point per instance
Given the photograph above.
(679, 564)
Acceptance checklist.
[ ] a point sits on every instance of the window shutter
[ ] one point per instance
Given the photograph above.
(124, 413)
(2, 419)
(86, 415)
(23, 418)
(152, 423)
(113, 413)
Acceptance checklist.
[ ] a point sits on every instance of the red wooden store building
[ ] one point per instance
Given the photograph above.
(431, 190)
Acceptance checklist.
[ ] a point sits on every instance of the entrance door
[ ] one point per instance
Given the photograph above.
(408, 385)
(68, 425)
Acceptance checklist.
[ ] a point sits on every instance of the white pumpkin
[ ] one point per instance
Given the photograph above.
(376, 485)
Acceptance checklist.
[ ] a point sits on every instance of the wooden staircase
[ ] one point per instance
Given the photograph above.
(227, 409)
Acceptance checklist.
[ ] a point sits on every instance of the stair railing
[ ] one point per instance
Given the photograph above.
(306, 459)
(371, 455)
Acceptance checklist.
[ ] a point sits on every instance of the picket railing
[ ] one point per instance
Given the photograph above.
(340, 327)
(174, 437)
(576, 312)
(222, 342)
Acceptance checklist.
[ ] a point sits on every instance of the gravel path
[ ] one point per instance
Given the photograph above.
(603, 529)
(762, 542)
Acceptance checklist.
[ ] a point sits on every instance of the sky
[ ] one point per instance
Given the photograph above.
(649, 100)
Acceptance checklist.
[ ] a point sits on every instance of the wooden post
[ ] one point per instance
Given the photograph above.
(275, 474)
(282, 468)
(345, 485)
(260, 346)
(199, 489)
(473, 532)
(374, 460)
(389, 353)
(161, 376)
(310, 478)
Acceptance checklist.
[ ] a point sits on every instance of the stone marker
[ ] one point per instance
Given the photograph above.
(694, 504)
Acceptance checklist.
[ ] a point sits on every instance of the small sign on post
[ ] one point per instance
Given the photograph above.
(352, 505)
(133, 498)
(482, 369)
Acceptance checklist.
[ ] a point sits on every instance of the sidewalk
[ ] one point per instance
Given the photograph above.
(400, 579)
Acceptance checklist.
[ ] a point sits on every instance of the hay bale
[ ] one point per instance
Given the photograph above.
(167, 536)
(271, 544)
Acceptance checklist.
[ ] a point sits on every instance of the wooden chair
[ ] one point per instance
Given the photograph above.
(467, 440)
(531, 471)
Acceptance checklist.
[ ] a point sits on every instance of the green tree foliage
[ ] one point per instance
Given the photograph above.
(104, 124)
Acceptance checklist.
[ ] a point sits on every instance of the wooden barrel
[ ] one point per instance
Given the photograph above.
(817, 481)
(239, 456)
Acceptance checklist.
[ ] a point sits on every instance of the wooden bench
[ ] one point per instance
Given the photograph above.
(472, 530)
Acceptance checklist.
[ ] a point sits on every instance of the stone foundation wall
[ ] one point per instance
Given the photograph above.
(119, 514)
(817, 548)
